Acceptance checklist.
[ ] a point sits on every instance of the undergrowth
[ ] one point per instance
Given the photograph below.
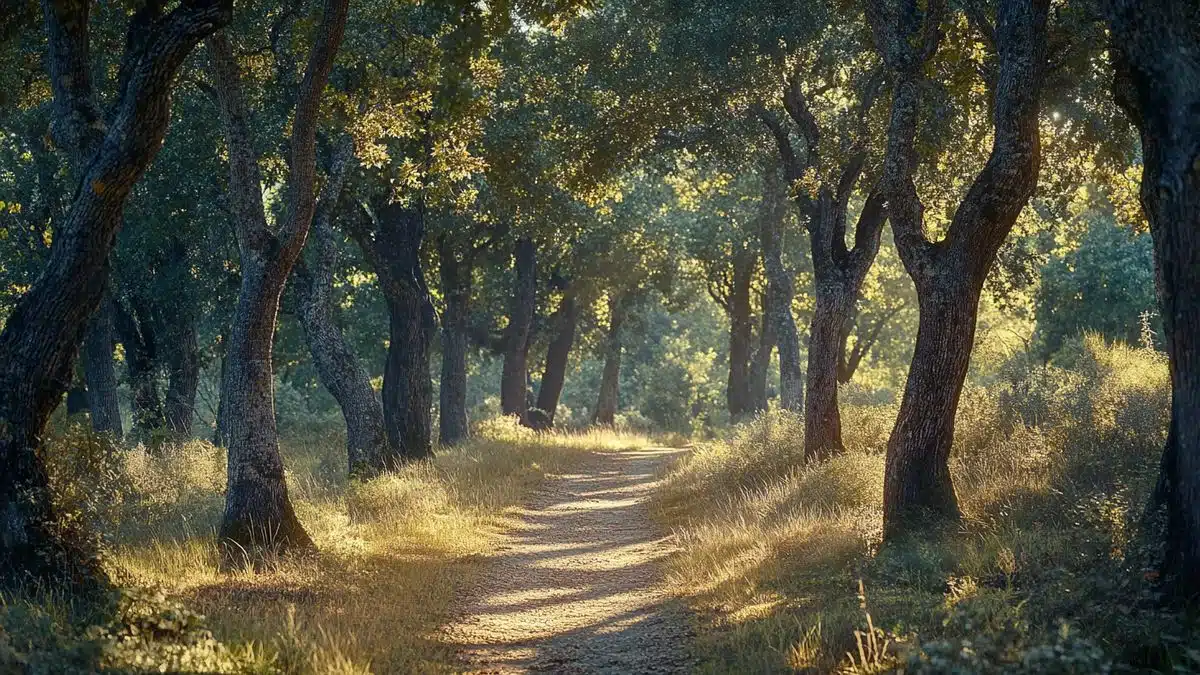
(1049, 572)
(395, 551)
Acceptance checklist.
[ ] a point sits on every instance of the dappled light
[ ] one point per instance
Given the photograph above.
(600, 337)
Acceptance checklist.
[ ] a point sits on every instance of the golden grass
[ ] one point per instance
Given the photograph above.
(1052, 468)
(395, 551)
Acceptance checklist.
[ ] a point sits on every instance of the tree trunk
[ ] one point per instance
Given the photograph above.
(822, 419)
(100, 373)
(741, 332)
(778, 303)
(917, 479)
(258, 513)
(1158, 85)
(514, 383)
(949, 274)
(760, 364)
(137, 332)
(407, 387)
(43, 333)
(610, 380)
(337, 365)
(565, 318)
(183, 362)
(453, 426)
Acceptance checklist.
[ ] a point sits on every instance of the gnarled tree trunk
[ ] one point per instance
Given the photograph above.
(610, 379)
(949, 274)
(1157, 57)
(336, 363)
(395, 252)
(100, 372)
(564, 321)
(514, 382)
(42, 335)
(258, 513)
(453, 426)
(778, 302)
(838, 272)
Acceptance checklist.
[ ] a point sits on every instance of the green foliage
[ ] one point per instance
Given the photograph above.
(145, 632)
(1104, 286)
(1053, 468)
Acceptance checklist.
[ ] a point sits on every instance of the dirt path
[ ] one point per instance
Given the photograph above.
(576, 587)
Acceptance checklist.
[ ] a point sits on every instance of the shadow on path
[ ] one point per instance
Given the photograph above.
(576, 586)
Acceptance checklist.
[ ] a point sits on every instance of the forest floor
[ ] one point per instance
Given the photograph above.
(576, 586)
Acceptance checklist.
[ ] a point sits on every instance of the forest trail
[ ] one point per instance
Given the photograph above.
(576, 586)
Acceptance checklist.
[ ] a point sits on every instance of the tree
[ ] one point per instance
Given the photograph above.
(44, 330)
(949, 274)
(607, 399)
(258, 514)
(393, 247)
(780, 289)
(838, 272)
(1156, 47)
(514, 382)
(337, 364)
(564, 323)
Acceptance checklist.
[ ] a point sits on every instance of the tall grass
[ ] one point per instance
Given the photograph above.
(395, 552)
(1053, 466)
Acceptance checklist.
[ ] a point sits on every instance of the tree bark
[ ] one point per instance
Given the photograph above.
(258, 513)
(949, 274)
(337, 365)
(760, 363)
(564, 320)
(100, 372)
(183, 363)
(838, 272)
(395, 252)
(778, 304)
(453, 426)
(43, 333)
(741, 335)
(135, 327)
(514, 383)
(1157, 59)
(851, 357)
(607, 400)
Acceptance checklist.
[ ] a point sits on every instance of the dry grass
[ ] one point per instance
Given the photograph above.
(395, 552)
(1052, 467)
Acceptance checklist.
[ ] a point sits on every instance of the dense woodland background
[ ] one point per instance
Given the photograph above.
(918, 279)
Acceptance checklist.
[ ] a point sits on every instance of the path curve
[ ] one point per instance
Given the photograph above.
(577, 586)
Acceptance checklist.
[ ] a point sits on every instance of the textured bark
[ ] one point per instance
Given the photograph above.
(407, 387)
(337, 365)
(183, 373)
(453, 426)
(607, 400)
(136, 329)
(1157, 56)
(760, 363)
(564, 320)
(838, 272)
(741, 334)
(258, 514)
(778, 304)
(514, 382)
(100, 372)
(44, 331)
(949, 274)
